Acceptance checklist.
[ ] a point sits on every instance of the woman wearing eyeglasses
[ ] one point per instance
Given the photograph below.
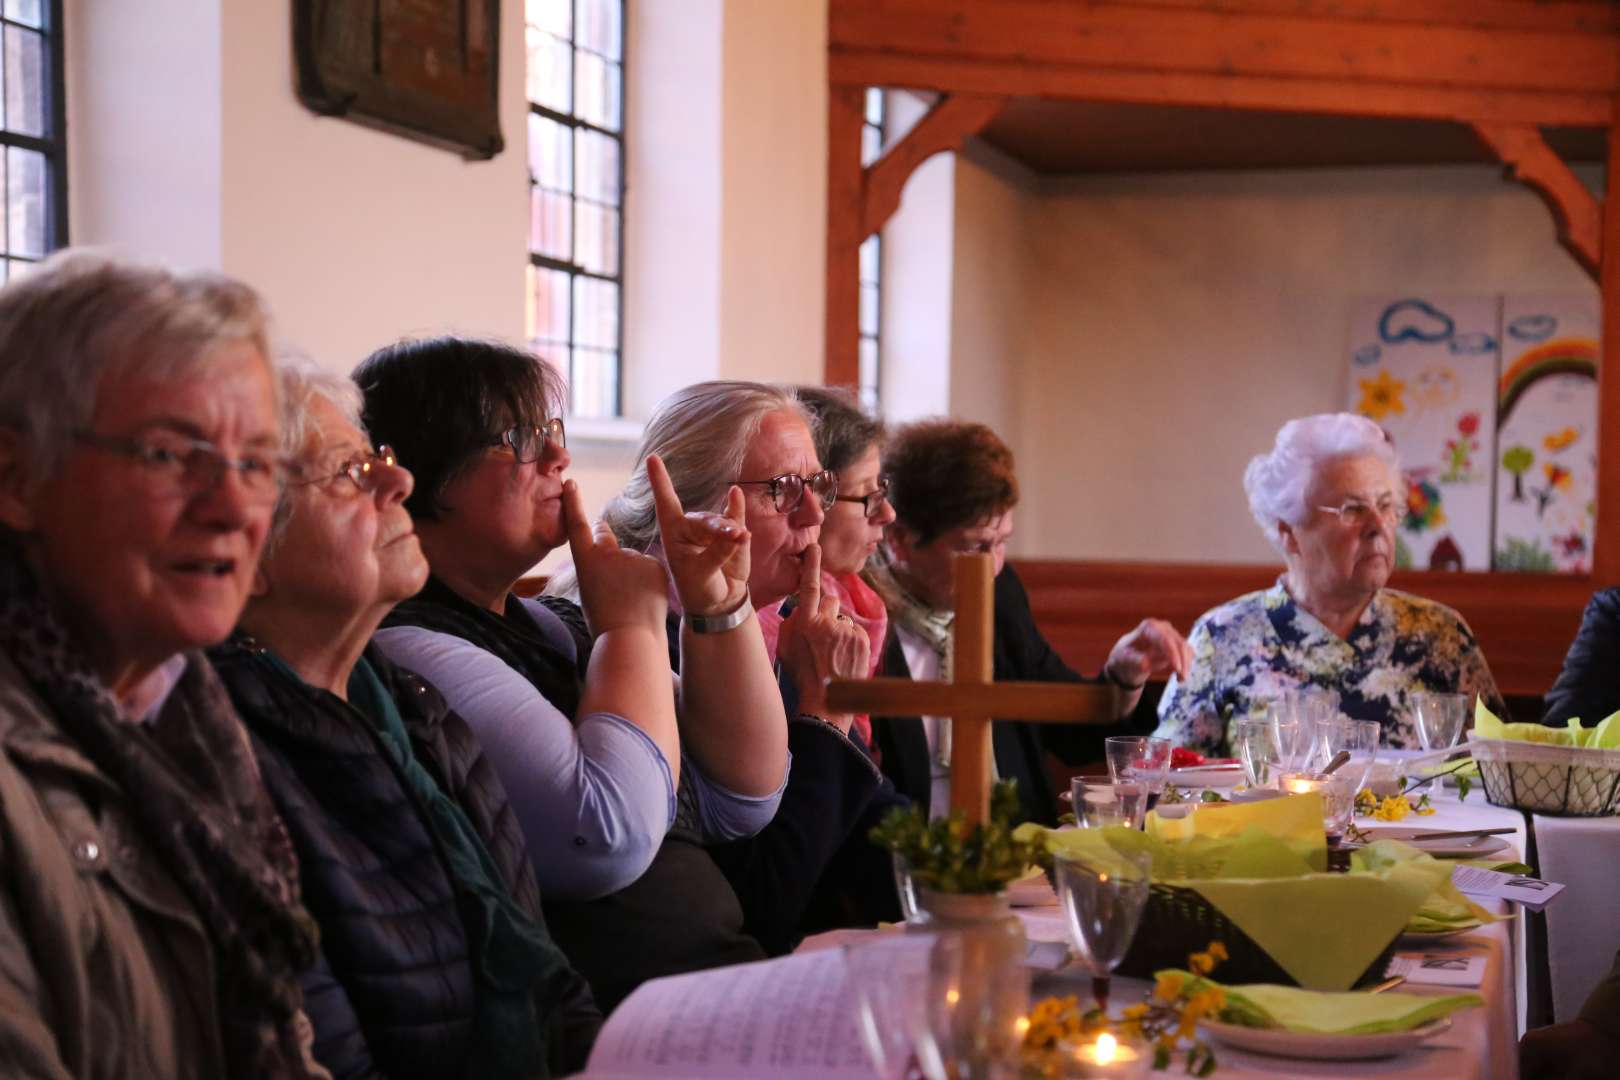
(435, 958)
(149, 914)
(748, 447)
(1327, 496)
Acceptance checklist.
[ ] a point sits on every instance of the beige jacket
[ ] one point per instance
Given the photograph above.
(105, 970)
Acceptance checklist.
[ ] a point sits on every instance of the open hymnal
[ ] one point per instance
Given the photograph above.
(791, 1019)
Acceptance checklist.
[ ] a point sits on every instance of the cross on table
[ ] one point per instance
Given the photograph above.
(973, 699)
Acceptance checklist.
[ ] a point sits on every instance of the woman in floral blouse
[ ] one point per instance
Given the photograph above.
(1327, 496)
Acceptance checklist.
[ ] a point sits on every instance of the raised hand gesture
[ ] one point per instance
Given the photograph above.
(1153, 648)
(617, 588)
(817, 643)
(707, 553)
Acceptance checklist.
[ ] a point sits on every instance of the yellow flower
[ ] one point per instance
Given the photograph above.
(1169, 984)
(1381, 396)
(1560, 440)
(1218, 951)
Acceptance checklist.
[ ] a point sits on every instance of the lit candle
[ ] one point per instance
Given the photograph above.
(1108, 1057)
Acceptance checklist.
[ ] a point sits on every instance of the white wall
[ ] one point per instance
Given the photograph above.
(1175, 321)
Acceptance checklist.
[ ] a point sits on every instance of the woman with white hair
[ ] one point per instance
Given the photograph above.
(1327, 496)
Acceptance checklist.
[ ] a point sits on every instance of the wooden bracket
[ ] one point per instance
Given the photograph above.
(952, 119)
(1577, 212)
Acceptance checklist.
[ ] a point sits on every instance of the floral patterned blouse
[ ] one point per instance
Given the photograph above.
(1248, 651)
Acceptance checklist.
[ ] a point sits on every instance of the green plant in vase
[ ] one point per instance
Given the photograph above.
(947, 855)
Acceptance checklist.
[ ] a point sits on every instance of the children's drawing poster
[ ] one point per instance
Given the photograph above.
(1425, 368)
(1546, 458)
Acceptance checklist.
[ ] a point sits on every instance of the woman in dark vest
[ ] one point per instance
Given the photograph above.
(435, 959)
(544, 686)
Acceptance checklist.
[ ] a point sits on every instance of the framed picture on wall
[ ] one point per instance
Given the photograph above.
(426, 69)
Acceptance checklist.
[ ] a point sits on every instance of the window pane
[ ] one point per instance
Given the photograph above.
(25, 81)
(869, 364)
(553, 16)
(597, 168)
(871, 259)
(869, 310)
(551, 156)
(596, 90)
(874, 105)
(871, 144)
(601, 27)
(550, 224)
(31, 12)
(597, 232)
(596, 313)
(548, 315)
(594, 385)
(25, 201)
(549, 71)
(17, 269)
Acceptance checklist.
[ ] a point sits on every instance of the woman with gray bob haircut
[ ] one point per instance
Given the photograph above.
(150, 923)
(1327, 496)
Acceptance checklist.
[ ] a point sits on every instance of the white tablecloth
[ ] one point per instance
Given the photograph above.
(1583, 933)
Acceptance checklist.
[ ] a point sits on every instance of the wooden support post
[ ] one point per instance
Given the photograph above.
(973, 699)
(1576, 211)
(951, 120)
(1606, 542)
(845, 108)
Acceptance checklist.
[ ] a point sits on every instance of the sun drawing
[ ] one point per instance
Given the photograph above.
(1381, 396)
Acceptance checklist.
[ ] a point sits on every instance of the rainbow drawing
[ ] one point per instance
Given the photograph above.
(1560, 356)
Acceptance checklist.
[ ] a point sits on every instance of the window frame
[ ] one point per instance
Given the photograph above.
(52, 146)
(879, 127)
(574, 269)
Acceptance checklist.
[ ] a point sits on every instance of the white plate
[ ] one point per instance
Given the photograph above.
(1207, 776)
(1319, 1047)
(1462, 847)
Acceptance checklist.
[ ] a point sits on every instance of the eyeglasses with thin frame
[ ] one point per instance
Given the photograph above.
(191, 466)
(787, 491)
(1359, 513)
(872, 502)
(528, 441)
(364, 470)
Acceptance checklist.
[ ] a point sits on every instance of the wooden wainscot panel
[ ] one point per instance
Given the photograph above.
(1524, 622)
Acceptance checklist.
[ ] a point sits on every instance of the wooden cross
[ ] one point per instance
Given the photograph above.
(973, 699)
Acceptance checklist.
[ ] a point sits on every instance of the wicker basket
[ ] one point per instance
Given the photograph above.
(1548, 779)
(1178, 921)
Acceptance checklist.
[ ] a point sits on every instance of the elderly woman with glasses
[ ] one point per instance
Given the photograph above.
(747, 447)
(576, 705)
(436, 958)
(954, 491)
(1327, 496)
(149, 922)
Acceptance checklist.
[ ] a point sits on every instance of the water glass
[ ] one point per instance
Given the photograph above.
(1102, 904)
(1259, 749)
(888, 979)
(1139, 759)
(1338, 795)
(1360, 739)
(975, 1000)
(1298, 714)
(1099, 803)
(1439, 719)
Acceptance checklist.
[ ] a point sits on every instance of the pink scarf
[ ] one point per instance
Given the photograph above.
(855, 599)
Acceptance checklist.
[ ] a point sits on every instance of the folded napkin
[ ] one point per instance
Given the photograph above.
(1604, 736)
(1443, 909)
(1292, 1009)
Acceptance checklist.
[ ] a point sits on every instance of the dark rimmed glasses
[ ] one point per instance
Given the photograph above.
(528, 441)
(363, 470)
(191, 466)
(872, 502)
(787, 491)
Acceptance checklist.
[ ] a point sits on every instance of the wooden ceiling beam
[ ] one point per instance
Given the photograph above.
(1576, 211)
(951, 120)
(1332, 96)
(1159, 39)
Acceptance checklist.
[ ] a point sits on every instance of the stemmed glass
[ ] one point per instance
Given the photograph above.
(1260, 750)
(1360, 739)
(1440, 720)
(1102, 903)
(1099, 803)
(1297, 716)
(1137, 763)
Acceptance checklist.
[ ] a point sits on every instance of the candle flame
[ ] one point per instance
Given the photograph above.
(1107, 1048)
(1023, 1025)
(952, 996)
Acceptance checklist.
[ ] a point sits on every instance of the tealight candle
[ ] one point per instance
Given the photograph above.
(1108, 1057)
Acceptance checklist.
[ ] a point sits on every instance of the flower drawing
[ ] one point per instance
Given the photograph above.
(1381, 396)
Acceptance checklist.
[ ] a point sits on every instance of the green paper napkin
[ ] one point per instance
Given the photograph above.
(1443, 909)
(1604, 736)
(1265, 1006)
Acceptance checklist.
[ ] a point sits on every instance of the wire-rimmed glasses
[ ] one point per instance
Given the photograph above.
(1357, 513)
(190, 466)
(871, 503)
(528, 441)
(363, 470)
(787, 491)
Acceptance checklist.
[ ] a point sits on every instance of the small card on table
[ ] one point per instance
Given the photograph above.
(1531, 892)
(1438, 969)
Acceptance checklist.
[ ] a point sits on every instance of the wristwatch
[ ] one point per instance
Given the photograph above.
(719, 624)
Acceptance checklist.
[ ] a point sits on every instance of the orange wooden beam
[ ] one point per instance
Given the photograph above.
(1606, 542)
(1576, 211)
(845, 110)
(943, 128)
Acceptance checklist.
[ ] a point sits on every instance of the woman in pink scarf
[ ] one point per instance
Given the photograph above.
(849, 443)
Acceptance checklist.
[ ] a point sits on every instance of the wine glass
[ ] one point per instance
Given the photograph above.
(1099, 803)
(1260, 750)
(1298, 715)
(1139, 759)
(1102, 903)
(1359, 738)
(1440, 720)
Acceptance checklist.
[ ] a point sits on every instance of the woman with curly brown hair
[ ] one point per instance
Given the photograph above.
(953, 489)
